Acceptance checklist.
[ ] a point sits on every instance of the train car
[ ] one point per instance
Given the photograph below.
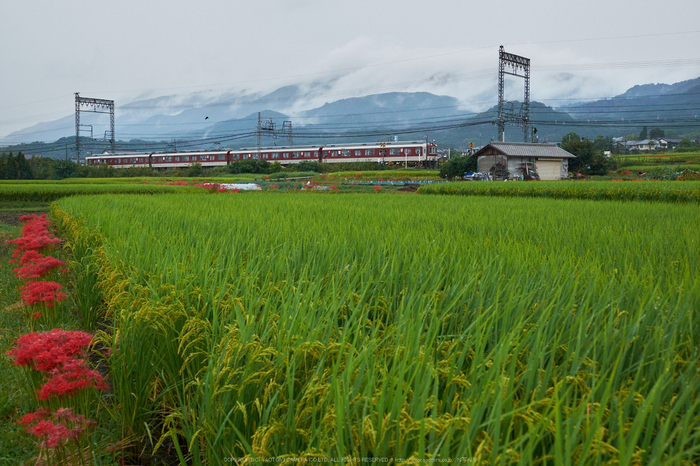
(410, 153)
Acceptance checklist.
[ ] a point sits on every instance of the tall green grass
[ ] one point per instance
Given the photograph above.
(506, 330)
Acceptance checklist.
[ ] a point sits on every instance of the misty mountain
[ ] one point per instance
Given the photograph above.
(645, 90)
(677, 108)
(229, 119)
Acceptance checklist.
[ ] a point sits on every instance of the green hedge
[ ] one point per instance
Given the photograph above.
(672, 191)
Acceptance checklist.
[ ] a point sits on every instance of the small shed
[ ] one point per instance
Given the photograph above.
(513, 159)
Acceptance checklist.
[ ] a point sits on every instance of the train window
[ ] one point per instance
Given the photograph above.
(418, 151)
(132, 160)
(185, 158)
(433, 150)
(369, 151)
(296, 155)
(221, 157)
(394, 152)
(346, 153)
(285, 155)
(358, 152)
(407, 150)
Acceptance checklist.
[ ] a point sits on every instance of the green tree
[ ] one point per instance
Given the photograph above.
(24, 171)
(588, 160)
(10, 167)
(194, 169)
(65, 169)
(656, 133)
(602, 143)
(685, 142)
(249, 166)
(643, 134)
(570, 137)
(456, 167)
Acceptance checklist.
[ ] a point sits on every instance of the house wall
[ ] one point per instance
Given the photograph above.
(549, 169)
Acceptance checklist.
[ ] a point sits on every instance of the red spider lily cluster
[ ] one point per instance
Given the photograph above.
(377, 188)
(178, 183)
(56, 353)
(37, 236)
(64, 427)
(70, 378)
(53, 358)
(40, 266)
(42, 292)
(46, 351)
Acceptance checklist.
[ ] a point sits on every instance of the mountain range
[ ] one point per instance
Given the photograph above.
(203, 120)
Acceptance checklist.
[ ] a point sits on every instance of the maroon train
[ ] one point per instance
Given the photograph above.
(412, 153)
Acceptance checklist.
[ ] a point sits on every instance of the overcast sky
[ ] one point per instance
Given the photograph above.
(131, 49)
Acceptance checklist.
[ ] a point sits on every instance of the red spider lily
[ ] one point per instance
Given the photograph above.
(42, 291)
(42, 413)
(36, 242)
(40, 266)
(46, 351)
(36, 315)
(29, 257)
(358, 175)
(377, 188)
(71, 377)
(69, 426)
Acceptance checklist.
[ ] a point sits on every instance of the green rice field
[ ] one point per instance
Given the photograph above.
(398, 328)
(47, 191)
(654, 191)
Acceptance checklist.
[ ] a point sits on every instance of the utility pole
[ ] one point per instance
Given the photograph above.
(512, 64)
(98, 106)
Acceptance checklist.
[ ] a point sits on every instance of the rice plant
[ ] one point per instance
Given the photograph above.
(363, 327)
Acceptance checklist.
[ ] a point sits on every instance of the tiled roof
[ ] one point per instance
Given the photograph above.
(524, 149)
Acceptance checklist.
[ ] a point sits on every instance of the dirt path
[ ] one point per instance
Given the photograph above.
(12, 218)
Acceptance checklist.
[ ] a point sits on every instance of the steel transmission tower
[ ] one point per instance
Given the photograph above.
(98, 106)
(514, 65)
